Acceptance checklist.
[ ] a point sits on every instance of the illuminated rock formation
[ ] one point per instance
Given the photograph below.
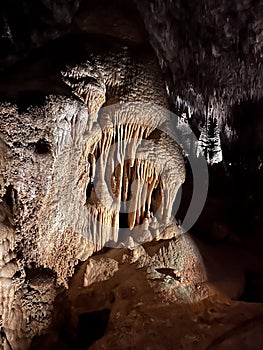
(68, 170)
(91, 159)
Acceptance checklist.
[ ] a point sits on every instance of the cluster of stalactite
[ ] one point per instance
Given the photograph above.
(214, 63)
(132, 172)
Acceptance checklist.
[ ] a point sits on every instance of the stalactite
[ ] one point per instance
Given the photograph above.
(131, 158)
(103, 225)
(209, 143)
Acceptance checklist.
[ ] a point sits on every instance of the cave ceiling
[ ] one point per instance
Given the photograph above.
(210, 52)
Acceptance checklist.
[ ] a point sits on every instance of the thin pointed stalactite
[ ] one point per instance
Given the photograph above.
(131, 172)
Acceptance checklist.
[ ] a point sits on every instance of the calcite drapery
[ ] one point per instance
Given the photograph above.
(54, 158)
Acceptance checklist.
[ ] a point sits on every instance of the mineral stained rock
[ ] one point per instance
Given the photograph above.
(67, 168)
(153, 295)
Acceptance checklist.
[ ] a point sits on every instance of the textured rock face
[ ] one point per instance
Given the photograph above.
(26, 296)
(202, 37)
(154, 295)
(30, 164)
(55, 157)
(120, 282)
(211, 53)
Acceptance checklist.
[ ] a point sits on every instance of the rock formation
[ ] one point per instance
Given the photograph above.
(68, 166)
(92, 160)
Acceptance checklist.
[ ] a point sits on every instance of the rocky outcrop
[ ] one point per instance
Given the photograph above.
(59, 203)
(153, 295)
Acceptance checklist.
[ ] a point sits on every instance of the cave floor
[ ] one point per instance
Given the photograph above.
(123, 312)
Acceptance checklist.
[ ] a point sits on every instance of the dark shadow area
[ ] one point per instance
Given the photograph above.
(246, 141)
(91, 327)
(123, 220)
(253, 292)
(34, 272)
(230, 226)
(42, 147)
(90, 187)
(61, 333)
(28, 99)
(10, 198)
(234, 204)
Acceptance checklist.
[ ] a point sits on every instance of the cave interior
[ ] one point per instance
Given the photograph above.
(131, 168)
